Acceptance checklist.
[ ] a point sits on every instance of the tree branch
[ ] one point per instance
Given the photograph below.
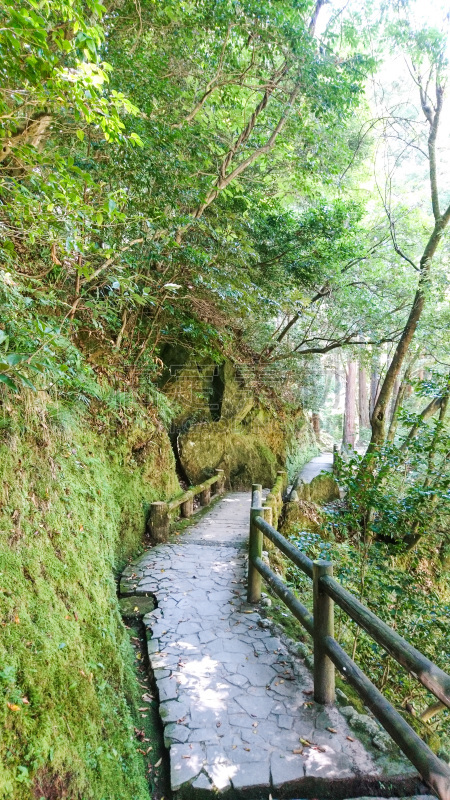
(432, 116)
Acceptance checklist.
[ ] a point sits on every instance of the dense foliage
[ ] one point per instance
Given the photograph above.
(241, 182)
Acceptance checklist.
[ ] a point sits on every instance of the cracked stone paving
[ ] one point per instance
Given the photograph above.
(234, 702)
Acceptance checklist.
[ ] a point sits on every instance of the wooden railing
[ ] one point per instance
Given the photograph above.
(160, 512)
(328, 653)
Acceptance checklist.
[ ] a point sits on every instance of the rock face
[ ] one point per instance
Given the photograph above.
(222, 424)
(304, 515)
(322, 489)
(245, 458)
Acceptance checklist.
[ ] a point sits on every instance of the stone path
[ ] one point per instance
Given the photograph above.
(235, 704)
(322, 463)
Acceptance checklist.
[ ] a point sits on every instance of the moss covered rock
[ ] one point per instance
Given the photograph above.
(322, 489)
(136, 607)
(245, 458)
(301, 515)
(248, 440)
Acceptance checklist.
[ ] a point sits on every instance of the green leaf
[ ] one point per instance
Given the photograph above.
(9, 383)
(136, 139)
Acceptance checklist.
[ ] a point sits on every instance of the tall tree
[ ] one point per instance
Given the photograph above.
(349, 437)
(363, 398)
(429, 75)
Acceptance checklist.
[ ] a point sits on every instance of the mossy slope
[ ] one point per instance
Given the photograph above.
(73, 506)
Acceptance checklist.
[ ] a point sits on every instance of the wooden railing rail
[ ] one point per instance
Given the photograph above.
(160, 511)
(328, 653)
(432, 677)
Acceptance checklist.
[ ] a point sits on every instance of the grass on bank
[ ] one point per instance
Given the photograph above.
(72, 509)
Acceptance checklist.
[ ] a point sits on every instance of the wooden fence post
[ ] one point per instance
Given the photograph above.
(187, 508)
(205, 496)
(255, 546)
(256, 495)
(323, 626)
(159, 521)
(284, 476)
(335, 458)
(220, 485)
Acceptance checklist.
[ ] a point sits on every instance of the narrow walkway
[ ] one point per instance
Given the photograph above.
(322, 463)
(235, 704)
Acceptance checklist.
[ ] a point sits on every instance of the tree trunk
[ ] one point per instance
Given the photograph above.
(378, 421)
(399, 396)
(337, 382)
(364, 420)
(350, 406)
(403, 388)
(428, 412)
(374, 386)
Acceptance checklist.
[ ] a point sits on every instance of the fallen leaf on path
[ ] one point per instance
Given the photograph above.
(305, 742)
(147, 698)
(350, 738)
(298, 752)
(332, 730)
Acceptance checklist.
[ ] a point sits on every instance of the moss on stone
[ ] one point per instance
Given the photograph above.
(136, 607)
(322, 489)
(250, 441)
(301, 515)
